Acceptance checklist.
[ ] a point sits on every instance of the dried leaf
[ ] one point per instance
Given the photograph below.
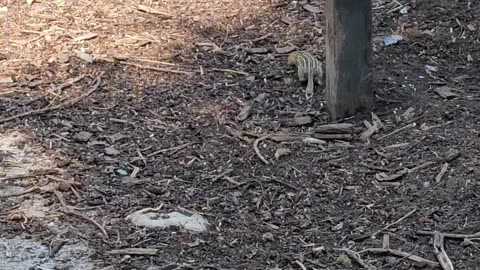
(408, 114)
(34, 84)
(429, 69)
(297, 121)
(287, 20)
(312, 9)
(84, 56)
(63, 57)
(280, 152)
(6, 80)
(247, 109)
(451, 155)
(376, 121)
(445, 92)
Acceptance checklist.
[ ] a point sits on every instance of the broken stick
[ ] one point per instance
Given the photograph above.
(439, 249)
(399, 253)
(257, 151)
(67, 210)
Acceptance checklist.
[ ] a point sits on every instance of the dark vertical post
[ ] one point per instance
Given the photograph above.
(348, 57)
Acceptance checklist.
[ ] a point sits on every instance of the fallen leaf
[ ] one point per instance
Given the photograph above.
(287, 20)
(6, 80)
(445, 92)
(408, 114)
(429, 69)
(312, 9)
(63, 57)
(392, 39)
(247, 109)
(84, 56)
(111, 151)
(34, 84)
(280, 152)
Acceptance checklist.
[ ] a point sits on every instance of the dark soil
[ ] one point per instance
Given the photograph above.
(300, 207)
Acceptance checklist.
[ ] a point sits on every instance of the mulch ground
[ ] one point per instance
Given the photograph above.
(420, 172)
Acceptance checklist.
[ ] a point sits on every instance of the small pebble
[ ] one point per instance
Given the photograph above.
(267, 237)
(111, 151)
(121, 172)
(82, 136)
(288, 81)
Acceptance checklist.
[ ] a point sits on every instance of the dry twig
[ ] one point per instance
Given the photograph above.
(134, 251)
(62, 105)
(396, 222)
(30, 190)
(56, 90)
(403, 254)
(257, 151)
(36, 173)
(221, 175)
(442, 172)
(397, 131)
(439, 249)
(230, 71)
(452, 235)
(67, 210)
(371, 129)
(300, 264)
(156, 68)
(175, 148)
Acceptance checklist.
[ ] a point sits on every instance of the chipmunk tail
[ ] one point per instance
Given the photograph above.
(310, 87)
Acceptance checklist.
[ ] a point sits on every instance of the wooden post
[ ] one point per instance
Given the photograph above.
(348, 57)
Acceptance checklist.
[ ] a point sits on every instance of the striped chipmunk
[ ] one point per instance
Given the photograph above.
(309, 68)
